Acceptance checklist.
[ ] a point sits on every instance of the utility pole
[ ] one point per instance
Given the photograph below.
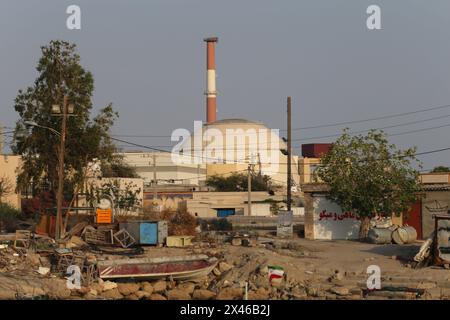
(249, 189)
(155, 192)
(61, 172)
(289, 132)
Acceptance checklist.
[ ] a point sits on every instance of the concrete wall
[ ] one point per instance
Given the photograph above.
(435, 178)
(325, 219)
(333, 228)
(136, 184)
(430, 203)
(205, 204)
(9, 166)
(305, 168)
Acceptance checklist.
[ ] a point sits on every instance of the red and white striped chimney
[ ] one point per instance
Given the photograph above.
(211, 92)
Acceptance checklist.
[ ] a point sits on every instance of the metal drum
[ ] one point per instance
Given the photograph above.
(404, 235)
(380, 235)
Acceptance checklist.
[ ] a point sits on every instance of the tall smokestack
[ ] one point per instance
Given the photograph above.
(211, 92)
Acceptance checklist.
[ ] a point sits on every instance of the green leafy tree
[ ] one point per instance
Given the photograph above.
(118, 169)
(440, 169)
(239, 182)
(369, 176)
(126, 196)
(60, 73)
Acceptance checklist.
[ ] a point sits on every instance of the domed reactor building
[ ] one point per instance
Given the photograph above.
(229, 146)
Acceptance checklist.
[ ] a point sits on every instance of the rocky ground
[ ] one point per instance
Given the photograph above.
(313, 270)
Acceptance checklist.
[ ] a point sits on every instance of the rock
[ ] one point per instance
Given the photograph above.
(159, 286)
(178, 294)
(202, 294)
(112, 294)
(157, 296)
(369, 259)
(426, 285)
(338, 275)
(34, 259)
(315, 291)
(393, 257)
(97, 287)
(260, 294)
(127, 288)
(187, 286)
(226, 283)
(57, 288)
(299, 293)
(340, 291)
(109, 285)
(236, 241)
(43, 270)
(217, 272)
(142, 294)
(132, 297)
(224, 267)
(263, 270)
(83, 291)
(309, 272)
(10, 285)
(230, 294)
(147, 288)
(93, 292)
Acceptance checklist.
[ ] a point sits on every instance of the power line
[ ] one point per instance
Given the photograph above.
(381, 128)
(371, 119)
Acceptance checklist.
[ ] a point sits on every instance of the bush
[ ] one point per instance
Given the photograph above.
(220, 224)
(8, 217)
(181, 222)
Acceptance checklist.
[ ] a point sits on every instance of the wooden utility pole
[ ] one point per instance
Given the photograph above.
(155, 192)
(289, 146)
(61, 172)
(249, 189)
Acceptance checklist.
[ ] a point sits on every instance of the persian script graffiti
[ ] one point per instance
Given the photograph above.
(324, 215)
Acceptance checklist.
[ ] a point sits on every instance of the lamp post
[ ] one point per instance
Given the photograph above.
(59, 197)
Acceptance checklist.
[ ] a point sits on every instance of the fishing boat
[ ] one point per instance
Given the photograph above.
(176, 268)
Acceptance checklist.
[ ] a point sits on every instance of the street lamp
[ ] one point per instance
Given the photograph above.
(34, 124)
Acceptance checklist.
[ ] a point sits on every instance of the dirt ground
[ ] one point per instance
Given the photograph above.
(312, 270)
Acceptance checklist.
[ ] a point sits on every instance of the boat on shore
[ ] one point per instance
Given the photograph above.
(176, 268)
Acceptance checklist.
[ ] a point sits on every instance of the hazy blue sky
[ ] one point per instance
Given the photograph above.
(148, 58)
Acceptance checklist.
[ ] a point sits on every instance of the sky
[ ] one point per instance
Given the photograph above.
(148, 59)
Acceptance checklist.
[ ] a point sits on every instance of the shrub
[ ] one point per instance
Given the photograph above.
(220, 224)
(8, 217)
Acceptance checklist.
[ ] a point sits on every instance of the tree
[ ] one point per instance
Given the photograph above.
(126, 196)
(118, 169)
(239, 182)
(60, 73)
(440, 169)
(6, 188)
(369, 176)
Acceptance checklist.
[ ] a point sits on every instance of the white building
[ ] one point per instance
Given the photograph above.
(159, 166)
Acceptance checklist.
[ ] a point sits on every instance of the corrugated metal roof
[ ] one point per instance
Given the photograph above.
(436, 187)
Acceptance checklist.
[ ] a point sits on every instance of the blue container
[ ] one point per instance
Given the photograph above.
(148, 233)
(223, 213)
